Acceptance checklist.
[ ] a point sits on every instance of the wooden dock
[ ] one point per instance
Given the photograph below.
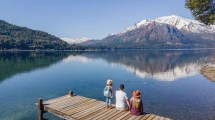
(74, 107)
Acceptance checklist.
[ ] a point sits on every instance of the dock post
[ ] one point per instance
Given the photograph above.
(40, 109)
(70, 93)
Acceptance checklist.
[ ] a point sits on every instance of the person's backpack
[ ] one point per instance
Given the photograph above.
(107, 92)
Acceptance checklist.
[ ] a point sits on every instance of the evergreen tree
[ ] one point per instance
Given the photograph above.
(22, 38)
(202, 10)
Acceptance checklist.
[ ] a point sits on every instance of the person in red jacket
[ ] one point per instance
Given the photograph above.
(136, 104)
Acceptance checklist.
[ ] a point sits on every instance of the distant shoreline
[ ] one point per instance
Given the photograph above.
(111, 49)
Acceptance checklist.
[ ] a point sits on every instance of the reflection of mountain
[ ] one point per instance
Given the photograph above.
(12, 63)
(161, 65)
(169, 75)
(77, 58)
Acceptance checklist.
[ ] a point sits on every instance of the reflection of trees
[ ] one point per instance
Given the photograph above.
(12, 63)
(154, 61)
(151, 62)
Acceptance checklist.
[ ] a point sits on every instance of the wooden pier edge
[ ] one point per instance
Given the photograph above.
(73, 107)
(40, 108)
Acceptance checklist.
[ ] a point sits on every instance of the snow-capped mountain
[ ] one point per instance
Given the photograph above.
(164, 32)
(186, 24)
(177, 21)
(75, 40)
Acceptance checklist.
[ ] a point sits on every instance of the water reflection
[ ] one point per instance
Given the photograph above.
(193, 96)
(76, 58)
(12, 63)
(160, 65)
(169, 75)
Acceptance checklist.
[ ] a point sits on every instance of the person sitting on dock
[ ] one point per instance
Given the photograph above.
(136, 105)
(122, 102)
(108, 93)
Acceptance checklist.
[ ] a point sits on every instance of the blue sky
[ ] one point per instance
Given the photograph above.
(89, 18)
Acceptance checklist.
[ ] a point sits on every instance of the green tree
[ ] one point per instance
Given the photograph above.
(202, 10)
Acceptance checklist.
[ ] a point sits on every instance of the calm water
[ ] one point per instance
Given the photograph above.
(169, 80)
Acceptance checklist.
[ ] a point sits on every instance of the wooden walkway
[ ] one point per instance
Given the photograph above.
(74, 107)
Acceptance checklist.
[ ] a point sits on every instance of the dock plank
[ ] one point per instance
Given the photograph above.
(97, 114)
(61, 101)
(156, 118)
(132, 118)
(119, 115)
(92, 114)
(127, 117)
(89, 110)
(55, 99)
(83, 108)
(102, 115)
(105, 117)
(65, 102)
(161, 118)
(79, 109)
(112, 115)
(138, 117)
(150, 117)
(77, 105)
(145, 117)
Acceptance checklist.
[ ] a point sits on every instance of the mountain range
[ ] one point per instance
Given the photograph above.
(164, 32)
(168, 32)
(75, 40)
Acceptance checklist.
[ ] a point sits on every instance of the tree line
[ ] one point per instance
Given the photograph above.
(22, 38)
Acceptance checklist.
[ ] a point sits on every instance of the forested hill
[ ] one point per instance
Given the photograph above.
(22, 38)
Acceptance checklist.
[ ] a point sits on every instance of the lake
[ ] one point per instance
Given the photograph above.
(169, 80)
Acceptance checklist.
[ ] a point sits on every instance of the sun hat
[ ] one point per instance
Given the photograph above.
(136, 93)
(109, 82)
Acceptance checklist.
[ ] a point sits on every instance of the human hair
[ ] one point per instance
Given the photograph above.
(136, 102)
(110, 84)
(121, 87)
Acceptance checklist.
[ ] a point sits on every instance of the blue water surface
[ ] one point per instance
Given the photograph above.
(169, 80)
